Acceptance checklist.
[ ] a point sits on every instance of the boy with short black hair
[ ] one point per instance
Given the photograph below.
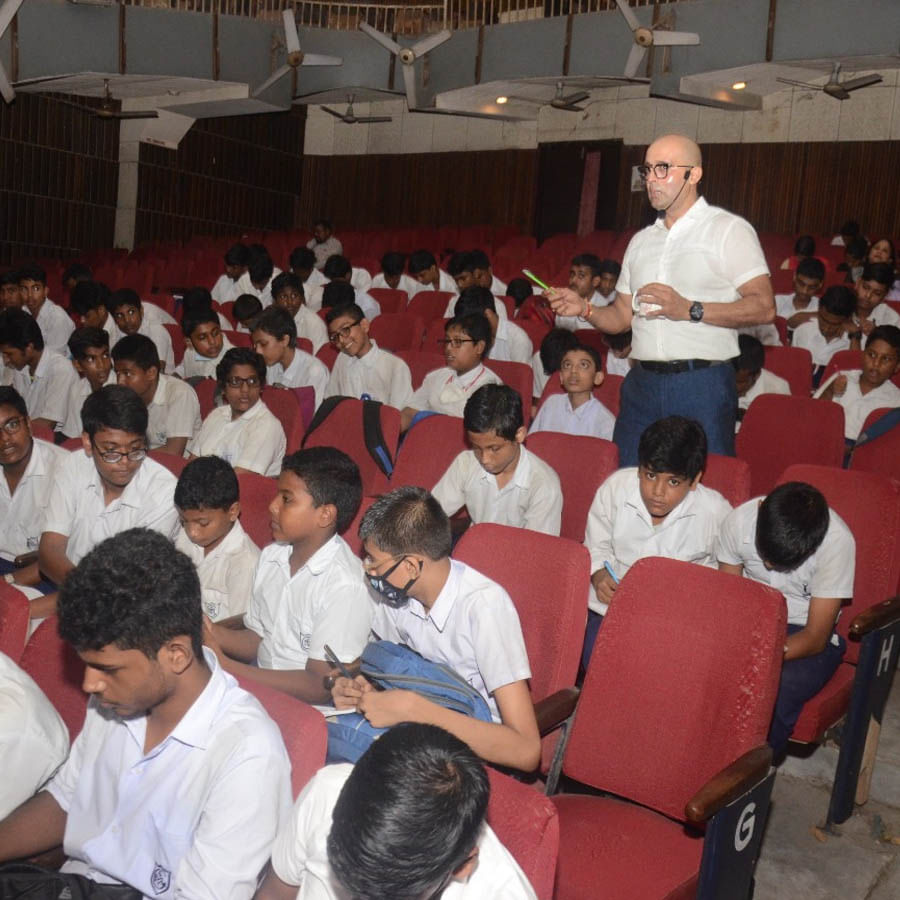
(802, 304)
(10, 294)
(498, 480)
(584, 278)
(577, 411)
(337, 295)
(246, 308)
(555, 344)
(424, 269)
(287, 293)
(303, 264)
(339, 271)
(406, 537)
(392, 275)
(658, 508)
(257, 280)
(794, 543)
(206, 345)
(225, 288)
(88, 300)
(308, 590)
(54, 321)
(508, 341)
(609, 275)
(274, 338)
(208, 500)
(618, 360)
(520, 290)
(196, 299)
(363, 369)
(750, 378)
(833, 329)
(127, 312)
(871, 288)
(446, 390)
(89, 349)
(483, 275)
(173, 409)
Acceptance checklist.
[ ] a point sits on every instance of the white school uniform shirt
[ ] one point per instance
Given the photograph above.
(253, 441)
(810, 338)
(330, 247)
(511, 343)
(767, 383)
(78, 393)
(767, 335)
(193, 365)
(591, 419)
(378, 375)
(304, 371)
(445, 391)
(498, 287)
(531, 499)
(226, 572)
(196, 816)
(828, 572)
(158, 334)
(311, 327)
(78, 510)
(573, 323)
(326, 601)
(857, 406)
(705, 256)
(315, 279)
(34, 741)
(620, 530)
(366, 302)
(617, 365)
(56, 326)
(540, 376)
(473, 628)
(174, 411)
(360, 279)
(224, 290)
(406, 283)
(300, 854)
(784, 305)
(245, 286)
(883, 314)
(46, 392)
(22, 513)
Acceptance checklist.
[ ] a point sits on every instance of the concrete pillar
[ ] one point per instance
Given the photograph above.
(126, 197)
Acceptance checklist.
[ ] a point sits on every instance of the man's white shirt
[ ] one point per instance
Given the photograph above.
(379, 375)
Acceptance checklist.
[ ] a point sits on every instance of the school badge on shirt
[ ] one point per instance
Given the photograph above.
(160, 879)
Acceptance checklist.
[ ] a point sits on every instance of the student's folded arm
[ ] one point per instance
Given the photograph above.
(35, 826)
(52, 559)
(814, 636)
(174, 445)
(406, 417)
(731, 568)
(232, 638)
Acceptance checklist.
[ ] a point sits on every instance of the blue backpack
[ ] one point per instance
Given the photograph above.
(395, 666)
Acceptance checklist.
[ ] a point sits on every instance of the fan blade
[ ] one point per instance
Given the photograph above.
(318, 59)
(569, 108)
(7, 11)
(837, 91)
(630, 17)
(803, 84)
(6, 89)
(572, 99)
(635, 58)
(374, 119)
(512, 98)
(409, 79)
(428, 44)
(380, 37)
(291, 38)
(434, 111)
(275, 76)
(148, 114)
(854, 84)
(332, 112)
(675, 38)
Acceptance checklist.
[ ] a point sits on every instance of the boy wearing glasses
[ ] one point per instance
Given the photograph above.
(109, 487)
(362, 368)
(242, 431)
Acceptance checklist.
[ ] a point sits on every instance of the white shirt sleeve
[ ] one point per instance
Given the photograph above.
(182, 412)
(264, 450)
(505, 661)
(450, 491)
(728, 545)
(836, 562)
(599, 530)
(544, 512)
(61, 508)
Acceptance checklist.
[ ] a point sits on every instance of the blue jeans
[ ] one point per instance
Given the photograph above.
(801, 679)
(707, 395)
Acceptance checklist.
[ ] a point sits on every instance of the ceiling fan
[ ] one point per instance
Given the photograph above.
(107, 110)
(348, 118)
(559, 101)
(295, 56)
(834, 87)
(644, 38)
(7, 11)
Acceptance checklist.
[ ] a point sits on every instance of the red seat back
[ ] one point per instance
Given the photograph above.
(206, 393)
(881, 455)
(351, 535)
(870, 505)
(841, 361)
(794, 365)
(519, 377)
(284, 406)
(327, 354)
(420, 363)
(779, 431)
(389, 300)
(434, 333)
(427, 451)
(175, 464)
(670, 700)
(257, 492)
(729, 476)
(397, 331)
(582, 464)
(238, 338)
(536, 329)
(15, 614)
(178, 343)
(428, 305)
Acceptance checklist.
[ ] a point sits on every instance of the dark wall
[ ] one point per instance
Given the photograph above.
(58, 179)
(226, 177)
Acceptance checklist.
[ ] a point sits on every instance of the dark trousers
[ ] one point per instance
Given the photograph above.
(707, 395)
(594, 621)
(37, 883)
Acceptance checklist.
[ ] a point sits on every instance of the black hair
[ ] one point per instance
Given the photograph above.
(331, 477)
(240, 356)
(337, 294)
(520, 290)
(139, 349)
(348, 309)
(237, 255)
(260, 269)
(302, 258)
(18, 329)
(479, 259)
(10, 277)
(554, 345)
(76, 272)
(9, 396)
(195, 299)
(393, 263)
(284, 281)
(123, 297)
(408, 816)
(114, 407)
(858, 247)
(192, 320)
(851, 227)
(883, 273)
(592, 352)
(618, 341)
(87, 296)
(790, 525)
(590, 260)
(336, 266)
(325, 223)
(805, 245)
(247, 306)
(83, 339)
(752, 356)
(408, 520)
(277, 322)
(32, 272)
(890, 334)
(134, 590)
(420, 260)
(476, 326)
(494, 407)
(839, 300)
(674, 444)
(460, 262)
(474, 299)
(609, 267)
(207, 482)
(810, 267)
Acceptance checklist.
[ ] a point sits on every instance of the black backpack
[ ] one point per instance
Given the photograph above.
(372, 433)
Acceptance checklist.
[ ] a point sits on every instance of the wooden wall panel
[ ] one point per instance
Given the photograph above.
(58, 179)
(489, 187)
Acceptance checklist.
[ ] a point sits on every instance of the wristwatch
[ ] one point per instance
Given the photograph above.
(696, 312)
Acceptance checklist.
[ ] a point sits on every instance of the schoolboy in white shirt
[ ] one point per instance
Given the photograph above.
(362, 368)
(242, 431)
(308, 590)
(206, 345)
(225, 288)
(618, 360)
(452, 615)
(393, 277)
(257, 280)
(871, 289)
(657, 509)
(127, 312)
(585, 278)
(207, 498)
(555, 344)
(303, 264)
(351, 828)
(339, 271)
(801, 305)
(274, 338)
(498, 480)
(424, 269)
(89, 349)
(509, 342)
(831, 330)
(577, 411)
(88, 301)
(179, 781)
(750, 378)
(794, 543)
(287, 293)
(172, 405)
(446, 390)
(54, 321)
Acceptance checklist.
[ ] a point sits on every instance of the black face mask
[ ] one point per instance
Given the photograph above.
(395, 597)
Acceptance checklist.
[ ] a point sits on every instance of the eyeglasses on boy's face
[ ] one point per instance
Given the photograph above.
(341, 334)
(12, 426)
(235, 381)
(455, 343)
(660, 170)
(114, 456)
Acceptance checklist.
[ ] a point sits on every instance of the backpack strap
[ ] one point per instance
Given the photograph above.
(374, 436)
(321, 414)
(880, 426)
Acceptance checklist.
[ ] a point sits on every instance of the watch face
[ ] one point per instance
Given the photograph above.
(696, 312)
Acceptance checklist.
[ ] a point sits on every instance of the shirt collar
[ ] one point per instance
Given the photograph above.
(161, 396)
(698, 210)
(581, 411)
(466, 381)
(316, 564)
(231, 542)
(521, 474)
(127, 497)
(443, 606)
(684, 509)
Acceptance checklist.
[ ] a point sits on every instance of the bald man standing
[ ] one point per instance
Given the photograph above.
(688, 282)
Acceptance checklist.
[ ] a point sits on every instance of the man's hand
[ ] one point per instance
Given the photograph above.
(386, 708)
(565, 302)
(604, 585)
(347, 692)
(672, 304)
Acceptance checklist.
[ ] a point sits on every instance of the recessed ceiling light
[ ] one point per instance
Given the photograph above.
(739, 85)
(502, 100)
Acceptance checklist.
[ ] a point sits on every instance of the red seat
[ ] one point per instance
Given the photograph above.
(206, 392)
(519, 377)
(428, 305)
(582, 464)
(536, 329)
(881, 455)
(389, 300)
(397, 331)
(257, 492)
(15, 613)
(284, 406)
(327, 354)
(782, 329)
(607, 393)
(527, 825)
(238, 338)
(779, 431)
(427, 451)
(842, 360)
(175, 464)
(227, 310)
(729, 476)
(668, 703)
(178, 342)
(794, 365)
(433, 335)
(42, 432)
(420, 363)
(351, 535)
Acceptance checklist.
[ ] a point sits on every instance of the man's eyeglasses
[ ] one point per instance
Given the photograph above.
(12, 426)
(113, 456)
(455, 343)
(235, 381)
(341, 334)
(660, 170)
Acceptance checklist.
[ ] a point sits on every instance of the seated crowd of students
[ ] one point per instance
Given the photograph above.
(179, 783)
